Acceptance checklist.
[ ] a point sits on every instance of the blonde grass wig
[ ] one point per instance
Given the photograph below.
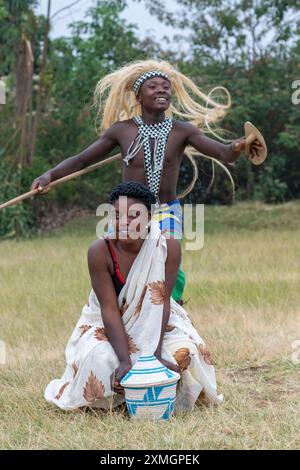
(115, 100)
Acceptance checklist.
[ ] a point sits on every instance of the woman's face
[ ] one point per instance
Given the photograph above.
(131, 219)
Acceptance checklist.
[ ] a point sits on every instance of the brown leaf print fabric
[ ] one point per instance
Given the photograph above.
(183, 358)
(132, 347)
(124, 307)
(169, 328)
(75, 369)
(91, 359)
(203, 350)
(100, 334)
(61, 390)
(157, 289)
(94, 389)
(84, 329)
(140, 302)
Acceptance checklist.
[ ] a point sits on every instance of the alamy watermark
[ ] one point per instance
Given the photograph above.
(296, 93)
(295, 357)
(134, 221)
(2, 92)
(2, 353)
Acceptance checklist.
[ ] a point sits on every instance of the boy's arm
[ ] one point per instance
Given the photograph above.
(226, 153)
(171, 272)
(92, 154)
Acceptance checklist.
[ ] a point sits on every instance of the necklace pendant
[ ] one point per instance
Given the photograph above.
(126, 159)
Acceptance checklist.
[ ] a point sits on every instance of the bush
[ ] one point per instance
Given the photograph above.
(270, 189)
(17, 221)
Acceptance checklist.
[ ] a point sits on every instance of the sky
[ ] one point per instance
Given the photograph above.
(135, 13)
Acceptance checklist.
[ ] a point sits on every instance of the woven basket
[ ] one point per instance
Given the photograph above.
(150, 389)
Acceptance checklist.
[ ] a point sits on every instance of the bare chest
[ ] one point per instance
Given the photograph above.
(172, 155)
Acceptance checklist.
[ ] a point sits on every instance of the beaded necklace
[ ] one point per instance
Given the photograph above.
(153, 166)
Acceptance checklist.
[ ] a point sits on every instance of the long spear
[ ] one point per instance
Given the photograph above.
(252, 134)
(33, 192)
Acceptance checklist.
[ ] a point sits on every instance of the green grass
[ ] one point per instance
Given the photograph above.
(243, 295)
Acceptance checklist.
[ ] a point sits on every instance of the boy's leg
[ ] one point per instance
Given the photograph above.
(179, 286)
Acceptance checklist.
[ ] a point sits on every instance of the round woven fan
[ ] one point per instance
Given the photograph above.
(258, 155)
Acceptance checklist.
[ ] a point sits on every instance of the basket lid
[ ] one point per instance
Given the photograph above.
(149, 371)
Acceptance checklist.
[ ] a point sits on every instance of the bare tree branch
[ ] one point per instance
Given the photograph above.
(64, 8)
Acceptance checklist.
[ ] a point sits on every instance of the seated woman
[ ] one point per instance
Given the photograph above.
(130, 310)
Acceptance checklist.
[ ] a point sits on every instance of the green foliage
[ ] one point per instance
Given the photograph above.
(101, 43)
(269, 188)
(17, 221)
(252, 48)
(17, 19)
(233, 31)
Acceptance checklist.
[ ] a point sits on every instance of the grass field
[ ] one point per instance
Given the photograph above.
(244, 297)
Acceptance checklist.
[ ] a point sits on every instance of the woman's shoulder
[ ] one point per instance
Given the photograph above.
(97, 252)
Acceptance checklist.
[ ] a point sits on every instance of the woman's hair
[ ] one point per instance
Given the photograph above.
(134, 190)
(114, 100)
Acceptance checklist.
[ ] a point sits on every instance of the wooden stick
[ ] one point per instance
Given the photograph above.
(33, 192)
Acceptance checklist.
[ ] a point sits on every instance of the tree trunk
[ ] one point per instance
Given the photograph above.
(41, 90)
(24, 77)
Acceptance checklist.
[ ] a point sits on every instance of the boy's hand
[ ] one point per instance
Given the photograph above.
(239, 146)
(168, 364)
(41, 183)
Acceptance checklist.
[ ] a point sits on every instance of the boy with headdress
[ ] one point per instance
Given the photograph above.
(137, 116)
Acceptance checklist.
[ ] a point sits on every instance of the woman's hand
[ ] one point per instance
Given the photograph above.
(118, 375)
(168, 364)
(41, 183)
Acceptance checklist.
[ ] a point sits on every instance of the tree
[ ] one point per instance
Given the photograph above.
(252, 48)
(232, 31)
(18, 32)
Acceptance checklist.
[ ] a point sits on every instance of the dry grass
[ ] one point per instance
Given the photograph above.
(244, 296)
